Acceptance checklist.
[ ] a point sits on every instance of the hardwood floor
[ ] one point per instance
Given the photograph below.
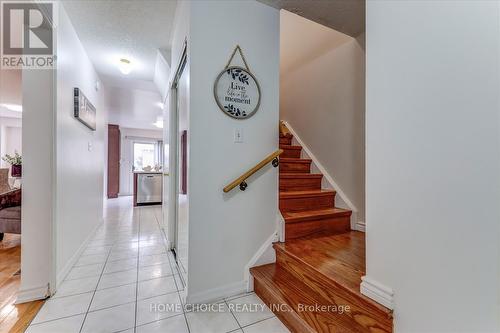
(13, 318)
(314, 286)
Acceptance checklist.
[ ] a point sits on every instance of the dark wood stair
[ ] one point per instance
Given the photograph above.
(322, 260)
(295, 165)
(319, 271)
(300, 181)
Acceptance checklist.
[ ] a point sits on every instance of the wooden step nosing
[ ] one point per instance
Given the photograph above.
(365, 300)
(307, 194)
(324, 216)
(291, 175)
(290, 147)
(295, 160)
(281, 300)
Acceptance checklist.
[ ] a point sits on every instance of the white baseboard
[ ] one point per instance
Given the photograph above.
(218, 293)
(32, 294)
(61, 275)
(377, 292)
(327, 177)
(264, 255)
(360, 226)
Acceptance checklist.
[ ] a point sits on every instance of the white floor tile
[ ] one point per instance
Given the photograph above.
(78, 286)
(156, 287)
(113, 296)
(175, 324)
(155, 271)
(63, 307)
(120, 265)
(160, 307)
(272, 325)
(153, 259)
(217, 321)
(115, 256)
(113, 319)
(249, 309)
(97, 250)
(117, 279)
(150, 250)
(126, 246)
(65, 325)
(92, 259)
(84, 271)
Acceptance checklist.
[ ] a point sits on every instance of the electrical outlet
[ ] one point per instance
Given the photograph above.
(89, 146)
(238, 135)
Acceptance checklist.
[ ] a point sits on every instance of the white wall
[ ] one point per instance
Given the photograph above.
(225, 231)
(38, 201)
(432, 162)
(180, 36)
(128, 136)
(10, 138)
(322, 97)
(80, 169)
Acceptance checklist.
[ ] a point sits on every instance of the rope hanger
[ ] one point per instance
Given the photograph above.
(237, 48)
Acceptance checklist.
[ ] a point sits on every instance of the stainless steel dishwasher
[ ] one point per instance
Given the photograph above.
(149, 188)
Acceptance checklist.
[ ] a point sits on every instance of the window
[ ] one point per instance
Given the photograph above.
(144, 155)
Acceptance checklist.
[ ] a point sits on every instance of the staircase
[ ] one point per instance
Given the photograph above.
(314, 284)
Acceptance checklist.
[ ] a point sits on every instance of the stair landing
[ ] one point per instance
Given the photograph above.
(324, 271)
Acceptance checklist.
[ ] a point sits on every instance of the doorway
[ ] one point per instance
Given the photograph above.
(179, 145)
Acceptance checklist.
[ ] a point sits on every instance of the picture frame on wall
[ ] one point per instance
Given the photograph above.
(84, 110)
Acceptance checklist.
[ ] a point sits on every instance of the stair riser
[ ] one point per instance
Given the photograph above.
(362, 311)
(307, 203)
(292, 167)
(290, 153)
(293, 322)
(323, 227)
(299, 184)
(285, 141)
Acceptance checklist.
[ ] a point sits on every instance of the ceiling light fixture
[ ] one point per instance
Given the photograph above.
(159, 122)
(13, 107)
(125, 66)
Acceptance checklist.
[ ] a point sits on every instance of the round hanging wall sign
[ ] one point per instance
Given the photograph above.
(237, 92)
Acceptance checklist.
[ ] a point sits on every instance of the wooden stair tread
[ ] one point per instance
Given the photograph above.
(282, 146)
(292, 217)
(340, 258)
(295, 160)
(300, 175)
(306, 193)
(277, 286)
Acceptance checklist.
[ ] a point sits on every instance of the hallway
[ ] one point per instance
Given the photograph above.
(125, 273)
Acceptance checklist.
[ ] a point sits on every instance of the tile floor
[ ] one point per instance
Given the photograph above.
(125, 273)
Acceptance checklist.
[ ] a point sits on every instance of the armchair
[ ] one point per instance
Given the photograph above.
(10, 212)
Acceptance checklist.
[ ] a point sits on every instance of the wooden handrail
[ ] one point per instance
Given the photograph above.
(241, 179)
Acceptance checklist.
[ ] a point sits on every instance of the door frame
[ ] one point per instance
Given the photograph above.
(174, 151)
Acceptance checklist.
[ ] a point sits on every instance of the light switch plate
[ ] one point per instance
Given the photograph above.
(238, 135)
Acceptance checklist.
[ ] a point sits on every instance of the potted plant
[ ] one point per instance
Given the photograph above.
(15, 162)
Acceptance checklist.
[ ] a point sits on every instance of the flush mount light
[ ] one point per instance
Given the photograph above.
(159, 122)
(13, 107)
(125, 66)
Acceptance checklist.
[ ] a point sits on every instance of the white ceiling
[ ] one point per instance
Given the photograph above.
(136, 30)
(110, 30)
(347, 16)
(302, 40)
(132, 108)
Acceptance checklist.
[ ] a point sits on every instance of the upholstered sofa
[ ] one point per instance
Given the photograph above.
(10, 212)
